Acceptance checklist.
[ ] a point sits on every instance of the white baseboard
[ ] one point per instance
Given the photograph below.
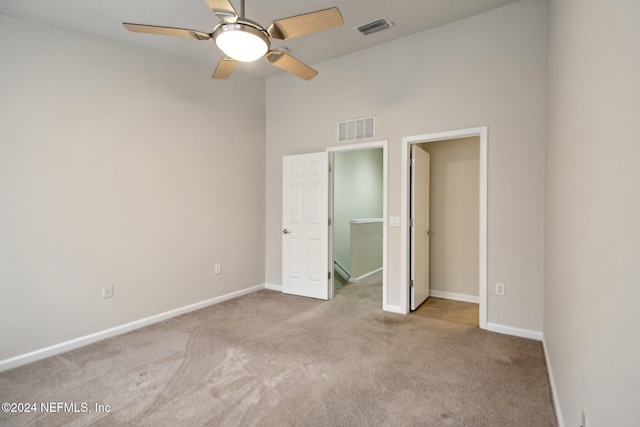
(393, 309)
(451, 295)
(273, 287)
(340, 271)
(509, 330)
(552, 381)
(52, 350)
(364, 276)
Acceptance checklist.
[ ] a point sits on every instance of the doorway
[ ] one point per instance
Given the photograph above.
(480, 269)
(358, 237)
(307, 202)
(357, 215)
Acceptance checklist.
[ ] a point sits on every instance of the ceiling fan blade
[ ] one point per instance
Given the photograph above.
(167, 31)
(290, 64)
(295, 26)
(225, 68)
(223, 9)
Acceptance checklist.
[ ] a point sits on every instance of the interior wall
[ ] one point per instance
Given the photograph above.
(367, 249)
(592, 218)
(454, 215)
(488, 70)
(120, 165)
(357, 194)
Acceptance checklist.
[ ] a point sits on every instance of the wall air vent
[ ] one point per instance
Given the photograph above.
(375, 26)
(356, 130)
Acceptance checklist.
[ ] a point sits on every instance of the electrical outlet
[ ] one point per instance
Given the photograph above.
(500, 289)
(218, 269)
(107, 291)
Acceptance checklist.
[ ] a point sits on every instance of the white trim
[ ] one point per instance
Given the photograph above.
(452, 295)
(337, 268)
(394, 309)
(552, 381)
(52, 350)
(364, 276)
(516, 332)
(484, 228)
(331, 202)
(481, 132)
(272, 287)
(384, 144)
(365, 221)
(361, 146)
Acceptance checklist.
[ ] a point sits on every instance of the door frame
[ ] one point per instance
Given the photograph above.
(482, 133)
(385, 168)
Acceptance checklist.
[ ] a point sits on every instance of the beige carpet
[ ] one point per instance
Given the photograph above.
(268, 359)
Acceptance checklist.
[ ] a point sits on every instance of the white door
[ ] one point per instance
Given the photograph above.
(305, 229)
(420, 184)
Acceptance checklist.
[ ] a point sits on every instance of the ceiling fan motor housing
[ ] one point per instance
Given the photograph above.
(243, 40)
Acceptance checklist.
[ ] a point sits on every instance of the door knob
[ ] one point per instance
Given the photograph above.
(285, 231)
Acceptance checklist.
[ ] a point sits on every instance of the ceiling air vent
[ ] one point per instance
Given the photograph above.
(356, 130)
(375, 26)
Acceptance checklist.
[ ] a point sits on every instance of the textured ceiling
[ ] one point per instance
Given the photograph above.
(104, 19)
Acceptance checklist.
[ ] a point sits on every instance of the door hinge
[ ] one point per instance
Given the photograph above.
(411, 283)
(330, 168)
(411, 222)
(329, 221)
(329, 276)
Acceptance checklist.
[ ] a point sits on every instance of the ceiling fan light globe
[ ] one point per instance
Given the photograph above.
(241, 42)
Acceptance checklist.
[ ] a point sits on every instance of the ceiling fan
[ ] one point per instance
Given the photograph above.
(243, 40)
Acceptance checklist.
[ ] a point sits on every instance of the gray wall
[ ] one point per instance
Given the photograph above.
(592, 216)
(485, 70)
(357, 194)
(454, 215)
(117, 166)
(366, 249)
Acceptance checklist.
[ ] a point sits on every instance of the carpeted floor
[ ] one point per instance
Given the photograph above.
(269, 359)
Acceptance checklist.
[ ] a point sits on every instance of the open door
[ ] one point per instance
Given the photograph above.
(305, 225)
(420, 186)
